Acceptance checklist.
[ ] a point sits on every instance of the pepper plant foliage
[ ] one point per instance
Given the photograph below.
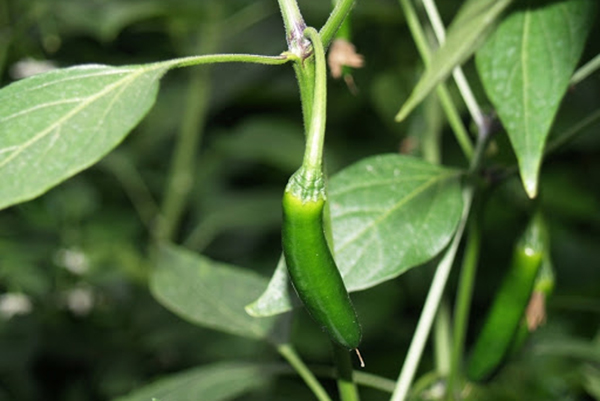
(389, 212)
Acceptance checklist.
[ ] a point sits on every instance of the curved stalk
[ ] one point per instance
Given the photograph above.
(316, 131)
(226, 58)
(289, 353)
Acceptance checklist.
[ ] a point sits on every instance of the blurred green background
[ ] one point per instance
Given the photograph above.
(77, 321)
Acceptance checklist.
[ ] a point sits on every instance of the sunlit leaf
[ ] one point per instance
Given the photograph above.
(466, 33)
(389, 213)
(217, 382)
(56, 124)
(525, 68)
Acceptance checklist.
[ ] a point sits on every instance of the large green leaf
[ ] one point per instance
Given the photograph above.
(468, 30)
(217, 382)
(525, 68)
(389, 213)
(210, 294)
(56, 124)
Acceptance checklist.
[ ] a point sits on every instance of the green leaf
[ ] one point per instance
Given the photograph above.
(525, 68)
(54, 125)
(276, 298)
(591, 381)
(472, 24)
(578, 349)
(389, 213)
(105, 19)
(216, 382)
(210, 294)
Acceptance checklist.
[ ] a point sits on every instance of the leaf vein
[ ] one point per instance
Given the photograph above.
(71, 114)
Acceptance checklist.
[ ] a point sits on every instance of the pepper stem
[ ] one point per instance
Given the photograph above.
(313, 155)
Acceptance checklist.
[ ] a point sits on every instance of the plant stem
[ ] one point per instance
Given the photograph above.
(305, 75)
(133, 184)
(344, 31)
(442, 339)
(463, 302)
(362, 378)
(313, 156)
(181, 174)
(294, 27)
(225, 58)
(457, 73)
(586, 70)
(299, 47)
(431, 305)
(454, 120)
(289, 353)
(345, 379)
(336, 18)
(439, 282)
(373, 381)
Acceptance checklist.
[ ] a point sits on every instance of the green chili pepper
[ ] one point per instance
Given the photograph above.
(310, 264)
(508, 308)
(535, 314)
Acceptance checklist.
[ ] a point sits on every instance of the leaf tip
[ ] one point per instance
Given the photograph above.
(531, 186)
(251, 309)
(402, 114)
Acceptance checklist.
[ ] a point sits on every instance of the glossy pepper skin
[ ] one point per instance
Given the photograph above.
(310, 264)
(506, 313)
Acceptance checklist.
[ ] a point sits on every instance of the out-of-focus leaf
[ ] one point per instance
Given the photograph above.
(248, 142)
(468, 30)
(105, 19)
(591, 381)
(525, 68)
(236, 210)
(209, 293)
(276, 298)
(570, 348)
(566, 196)
(217, 382)
(389, 213)
(56, 124)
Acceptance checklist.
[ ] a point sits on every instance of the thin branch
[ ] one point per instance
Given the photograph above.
(457, 73)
